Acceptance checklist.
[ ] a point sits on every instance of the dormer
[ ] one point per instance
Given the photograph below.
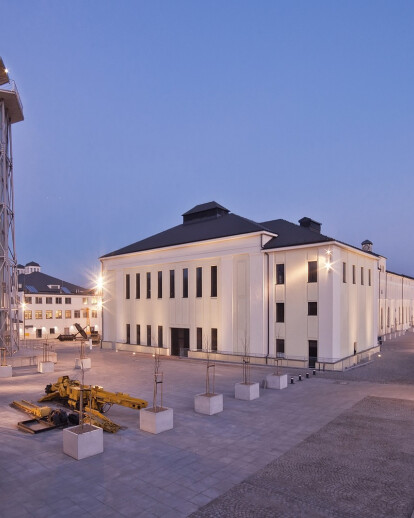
(205, 211)
(32, 267)
(311, 224)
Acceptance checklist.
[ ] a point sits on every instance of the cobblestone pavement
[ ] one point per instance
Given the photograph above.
(176, 473)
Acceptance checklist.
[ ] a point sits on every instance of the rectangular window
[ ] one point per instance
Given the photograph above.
(172, 284)
(49, 314)
(137, 285)
(362, 275)
(312, 308)
(85, 313)
(280, 311)
(199, 338)
(68, 313)
(68, 300)
(28, 300)
(148, 335)
(312, 271)
(185, 283)
(49, 300)
(280, 274)
(28, 315)
(58, 313)
(160, 285)
(38, 300)
(38, 315)
(369, 277)
(353, 274)
(280, 348)
(138, 333)
(85, 300)
(199, 282)
(160, 338)
(343, 272)
(128, 333)
(214, 281)
(94, 313)
(214, 339)
(148, 285)
(76, 313)
(313, 352)
(127, 286)
(52, 331)
(58, 300)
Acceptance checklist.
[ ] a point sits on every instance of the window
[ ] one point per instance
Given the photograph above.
(127, 286)
(369, 277)
(85, 300)
(58, 300)
(214, 281)
(172, 284)
(199, 282)
(38, 315)
(94, 313)
(312, 271)
(185, 283)
(313, 352)
(76, 313)
(280, 311)
(58, 313)
(52, 331)
(28, 300)
(343, 272)
(138, 332)
(199, 338)
(388, 317)
(94, 301)
(280, 348)
(362, 275)
(312, 308)
(160, 340)
(160, 285)
(49, 314)
(137, 285)
(148, 335)
(38, 300)
(85, 313)
(68, 300)
(28, 315)
(214, 339)
(280, 274)
(68, 313)
(353, 274)
(128, 333)
(49, 300)
(148, 285)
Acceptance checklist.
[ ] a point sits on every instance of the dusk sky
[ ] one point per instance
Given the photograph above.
(137, 111)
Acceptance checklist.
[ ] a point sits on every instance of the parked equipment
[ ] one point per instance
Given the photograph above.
(43, 417)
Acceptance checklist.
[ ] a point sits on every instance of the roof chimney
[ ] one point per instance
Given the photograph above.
(366, 245)
(311, 224)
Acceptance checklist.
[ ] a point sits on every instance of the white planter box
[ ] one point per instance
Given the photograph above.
(81, 444)
(85, 363)
(45, 367)
(156, 422)
(273, 381)
(6, 371)
(208, 404)
(246, 391)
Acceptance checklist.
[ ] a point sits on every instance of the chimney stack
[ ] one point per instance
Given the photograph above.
(367, 245)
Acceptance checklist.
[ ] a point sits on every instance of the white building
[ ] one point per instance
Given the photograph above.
(50, 306)
(225, 283)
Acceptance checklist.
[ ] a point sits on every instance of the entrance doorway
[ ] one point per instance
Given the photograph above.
(180, 341)
(313, 353)
(39, 333)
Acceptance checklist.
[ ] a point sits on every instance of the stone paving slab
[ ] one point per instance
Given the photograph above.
(361, 464)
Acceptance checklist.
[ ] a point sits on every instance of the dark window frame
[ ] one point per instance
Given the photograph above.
(280, 273)
(160, 337)
(137, 285)
(128, 334)
(214, 281)
(199, 338)
(127, 286)
(312, 308)
(280, 312)
(159, 284)
(214, 339)
(185, 283)
(148, 285)
(138, 331)
(312, 271)
(199, 282)
(148, 336)
(344, 272)
(172, 284)
(280, 347)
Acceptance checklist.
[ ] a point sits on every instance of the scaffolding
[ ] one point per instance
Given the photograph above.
(11, 111)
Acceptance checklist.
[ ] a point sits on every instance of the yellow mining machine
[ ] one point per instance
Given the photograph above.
(96, 401)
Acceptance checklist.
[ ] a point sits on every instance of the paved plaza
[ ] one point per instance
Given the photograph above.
(334, 445)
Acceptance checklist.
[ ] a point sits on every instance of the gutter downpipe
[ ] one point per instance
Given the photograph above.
(268, 308)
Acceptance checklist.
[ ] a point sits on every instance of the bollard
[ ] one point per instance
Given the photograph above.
(300, 377)
(307, 375)
(292, 381)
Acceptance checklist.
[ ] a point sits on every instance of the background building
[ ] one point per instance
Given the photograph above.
(227, 284)
(50, 306)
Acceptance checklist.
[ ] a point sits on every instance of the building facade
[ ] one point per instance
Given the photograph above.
(231, 286)
(50, 306)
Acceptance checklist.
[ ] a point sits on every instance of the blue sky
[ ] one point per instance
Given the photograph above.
(137, 111)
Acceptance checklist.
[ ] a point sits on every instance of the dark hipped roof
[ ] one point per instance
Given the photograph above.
(32, 263)
(289, 234)
(38, 282)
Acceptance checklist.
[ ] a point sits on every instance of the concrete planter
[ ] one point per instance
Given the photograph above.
(83, 363)
(156, 422)
(79, 444)
(246, 391)
(45, 367)
(273, 381)
(6, 371)
(208, 404)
